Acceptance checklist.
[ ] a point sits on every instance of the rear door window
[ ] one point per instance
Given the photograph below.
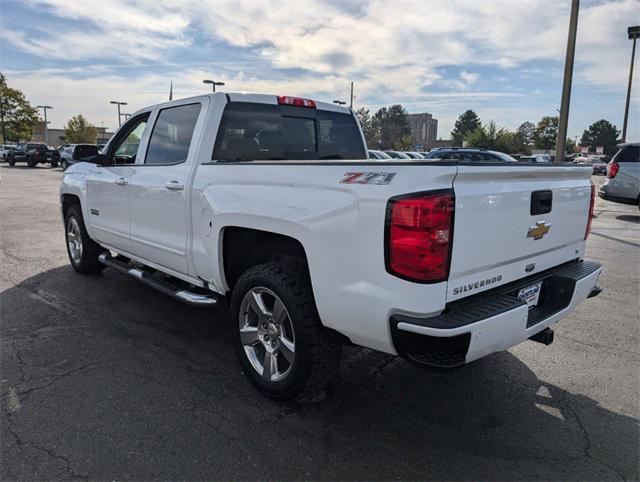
(172, 133)
(266, 132)
(628, 154)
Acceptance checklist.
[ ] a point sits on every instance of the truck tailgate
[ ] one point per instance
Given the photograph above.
(515, 221)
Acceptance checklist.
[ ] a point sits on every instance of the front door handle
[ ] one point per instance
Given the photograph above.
(121, 181)
(174, 186)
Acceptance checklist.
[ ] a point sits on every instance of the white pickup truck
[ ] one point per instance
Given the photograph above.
(269, 202)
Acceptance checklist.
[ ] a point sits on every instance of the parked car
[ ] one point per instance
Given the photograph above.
(539, 158)
(5, 149)
(72, 153)
(623, 175)
(373, 154)
(596, 163)
(33, 154)
(270, 202)
(414, 155)
(397, 155)
(472, 154)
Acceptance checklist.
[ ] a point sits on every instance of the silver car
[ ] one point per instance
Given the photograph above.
(623, 175)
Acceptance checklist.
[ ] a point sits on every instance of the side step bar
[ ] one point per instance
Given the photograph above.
(162, 285)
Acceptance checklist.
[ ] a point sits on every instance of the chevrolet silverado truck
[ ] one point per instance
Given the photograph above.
(269, 205)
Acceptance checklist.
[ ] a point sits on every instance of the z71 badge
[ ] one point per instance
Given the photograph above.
(368, 178)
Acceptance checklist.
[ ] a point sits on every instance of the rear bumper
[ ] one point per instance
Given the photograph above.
(494, 321)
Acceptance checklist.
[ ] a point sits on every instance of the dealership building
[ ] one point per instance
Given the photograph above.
(424, 130)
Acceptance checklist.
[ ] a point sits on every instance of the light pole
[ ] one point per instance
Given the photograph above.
(126, 116)
(213, 83)
(561, 140)
(46, 122)
(339, 102)
(634, 33)
(118, 104)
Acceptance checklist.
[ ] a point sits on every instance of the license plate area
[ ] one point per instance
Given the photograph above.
(531, 294)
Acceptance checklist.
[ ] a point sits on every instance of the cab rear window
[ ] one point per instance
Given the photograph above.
(628, 154)
(265, 132)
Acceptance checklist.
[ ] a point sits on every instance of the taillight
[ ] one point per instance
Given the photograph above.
(296, 101)
(591, 206)
(419, 236)
(612, 170)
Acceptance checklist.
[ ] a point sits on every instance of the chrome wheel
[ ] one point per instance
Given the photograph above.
(74, 240)
(266, 334)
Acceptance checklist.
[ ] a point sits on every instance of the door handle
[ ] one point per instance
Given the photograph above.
(174, 186)
(121, 181)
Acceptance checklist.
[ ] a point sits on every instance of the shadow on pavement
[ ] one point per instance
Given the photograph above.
(102, 377)
(632, 218)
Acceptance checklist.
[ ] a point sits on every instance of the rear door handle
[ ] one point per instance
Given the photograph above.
(121, 181)
(174, 186)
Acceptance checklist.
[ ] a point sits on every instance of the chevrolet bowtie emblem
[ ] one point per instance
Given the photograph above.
(539, 230)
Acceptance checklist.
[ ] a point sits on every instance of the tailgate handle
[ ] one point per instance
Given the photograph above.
(541, 202)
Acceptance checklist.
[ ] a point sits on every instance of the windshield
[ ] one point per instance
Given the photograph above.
(257, 132)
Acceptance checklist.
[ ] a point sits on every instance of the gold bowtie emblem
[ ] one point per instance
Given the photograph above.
(539, 230)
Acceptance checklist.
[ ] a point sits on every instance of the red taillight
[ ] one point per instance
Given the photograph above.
(612, 170)
(591, 206)
(296, 101)
(419, 236)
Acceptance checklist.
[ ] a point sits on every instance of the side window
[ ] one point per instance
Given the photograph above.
(628, 154)
(125, 146)
(172, 133)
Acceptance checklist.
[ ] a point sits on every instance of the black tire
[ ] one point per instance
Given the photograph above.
(31, 162)
(87, 262)
(54, 164)
(11, 161)
(64, 164)
(317, 355)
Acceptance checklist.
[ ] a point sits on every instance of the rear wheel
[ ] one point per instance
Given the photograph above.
(11, 161)
(64, 164)
(54, 164)
(280, 342)
(82, 250)
(31, 162)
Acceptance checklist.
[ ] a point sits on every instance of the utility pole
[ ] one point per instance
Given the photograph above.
(633, 33)
(566, 84)
(46, 122)
(119, 115)
(351, 103)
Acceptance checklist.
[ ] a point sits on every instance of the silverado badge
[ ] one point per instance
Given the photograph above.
(539, 230)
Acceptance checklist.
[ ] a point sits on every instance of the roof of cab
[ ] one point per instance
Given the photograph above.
(249, 97)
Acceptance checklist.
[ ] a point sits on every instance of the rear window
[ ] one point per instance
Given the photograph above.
(264, 132)
(628, 154)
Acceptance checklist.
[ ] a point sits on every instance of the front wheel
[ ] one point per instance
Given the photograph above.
(280, 342)
(54, 164)
(64, 164)
(11, 161)
(82, 250)
(31, 162)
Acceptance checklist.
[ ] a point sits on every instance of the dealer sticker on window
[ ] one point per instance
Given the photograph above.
(530, 294)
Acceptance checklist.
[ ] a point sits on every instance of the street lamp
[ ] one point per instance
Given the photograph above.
(213, 83)
(634, 33)
(126, 116)
(118, 104)
(339, 102)
(46, 122)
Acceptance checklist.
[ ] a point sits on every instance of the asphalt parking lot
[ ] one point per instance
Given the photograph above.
(104, 378)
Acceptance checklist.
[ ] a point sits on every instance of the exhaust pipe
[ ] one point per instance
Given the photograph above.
(545, 337)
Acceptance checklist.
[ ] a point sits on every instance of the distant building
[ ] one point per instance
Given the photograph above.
(57, 137)
(424, 130)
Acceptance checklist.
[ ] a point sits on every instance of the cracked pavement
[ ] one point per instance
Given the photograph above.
(104, 378)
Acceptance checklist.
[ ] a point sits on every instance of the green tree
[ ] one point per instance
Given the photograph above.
(601, 133)
(490, 136)
(467, 122)
(79, 130)
(525, 137)
(571, 145)
(392, 126)
(546, 133)
(17, 116)
(371, 134)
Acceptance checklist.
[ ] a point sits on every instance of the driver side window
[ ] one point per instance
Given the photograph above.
(126, 148)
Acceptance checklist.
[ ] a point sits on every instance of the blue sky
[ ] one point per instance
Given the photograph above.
(504, 59)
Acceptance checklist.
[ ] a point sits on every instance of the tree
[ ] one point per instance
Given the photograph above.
(525, 137)
(79, 130)
(17, 116)
(546, 133)
(467, 122)
(392, 126)
(601, 133)
(371, 134)
(571, 145)
(491, 137)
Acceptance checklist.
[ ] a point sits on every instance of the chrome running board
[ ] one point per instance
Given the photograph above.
(163, 285)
